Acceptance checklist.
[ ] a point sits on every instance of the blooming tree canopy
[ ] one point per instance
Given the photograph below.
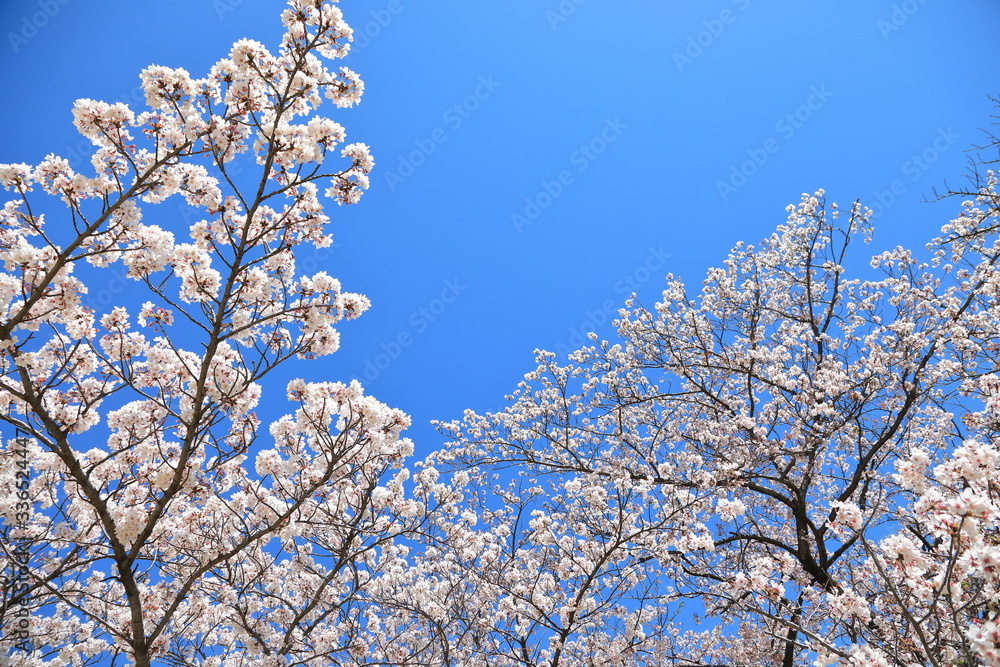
(793, 466)
(797, 465)
(145, 520)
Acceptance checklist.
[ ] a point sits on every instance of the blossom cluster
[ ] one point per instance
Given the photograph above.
(166, 525)
(749, 447)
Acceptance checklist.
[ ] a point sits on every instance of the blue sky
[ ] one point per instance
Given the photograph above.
(538, 161)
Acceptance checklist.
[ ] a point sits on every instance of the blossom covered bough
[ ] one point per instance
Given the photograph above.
(158, 525)
(793, 467)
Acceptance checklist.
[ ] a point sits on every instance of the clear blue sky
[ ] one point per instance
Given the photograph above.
(537, 161)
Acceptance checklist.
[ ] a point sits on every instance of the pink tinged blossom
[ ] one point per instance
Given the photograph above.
(847, 517)
(15, 176)
(152, 315)
(104, 124)
(361, 155)
(152, 249)
(346, 88)
(199, 281)
(985, 639)
(730, 509)
(166, 88)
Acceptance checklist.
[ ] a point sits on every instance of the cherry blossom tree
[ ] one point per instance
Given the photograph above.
(797, 465)
(145, 520)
